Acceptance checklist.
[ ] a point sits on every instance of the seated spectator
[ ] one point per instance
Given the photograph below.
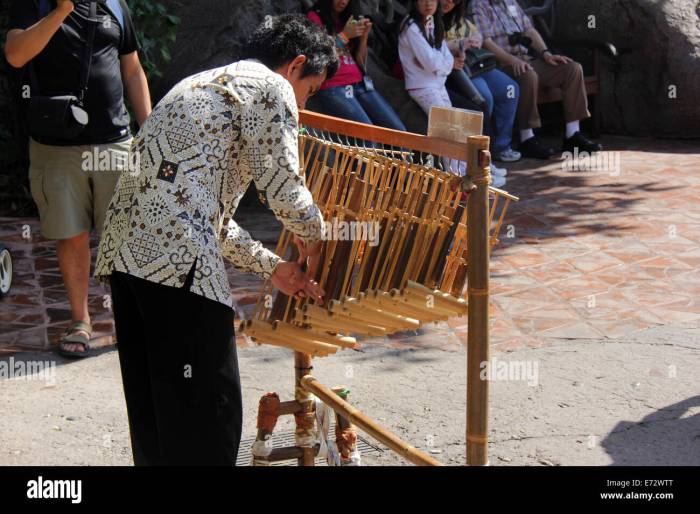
(509, 33)
(499, 91)
(350, 94)
(427, 61)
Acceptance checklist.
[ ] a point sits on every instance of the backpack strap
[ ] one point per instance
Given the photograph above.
(115, 7)
(87, 51)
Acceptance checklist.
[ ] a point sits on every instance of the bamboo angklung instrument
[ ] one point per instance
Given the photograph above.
(400, 236)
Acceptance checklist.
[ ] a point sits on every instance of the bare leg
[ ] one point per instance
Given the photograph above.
(74, 261)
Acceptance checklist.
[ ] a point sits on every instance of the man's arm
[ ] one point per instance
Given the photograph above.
(538, 43)
(22, 46)
(540, 46)
(272, 153)
(504, 58)
(270, 147)
(136, 86)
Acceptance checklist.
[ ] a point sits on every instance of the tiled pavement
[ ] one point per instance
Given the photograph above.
(583, 255)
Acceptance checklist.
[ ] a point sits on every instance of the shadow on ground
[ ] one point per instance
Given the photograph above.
(668, 437)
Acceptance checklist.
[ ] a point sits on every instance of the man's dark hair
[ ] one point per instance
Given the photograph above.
(279, 39)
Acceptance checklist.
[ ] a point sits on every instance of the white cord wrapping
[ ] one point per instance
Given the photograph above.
(261, 449)
(328, 448)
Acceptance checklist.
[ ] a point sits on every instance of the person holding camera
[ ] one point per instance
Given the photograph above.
(350, 94)
(81, 57)
(522, 53)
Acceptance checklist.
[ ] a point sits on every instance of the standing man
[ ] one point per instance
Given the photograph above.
(509, 33)
(87, 50)
(170, 226)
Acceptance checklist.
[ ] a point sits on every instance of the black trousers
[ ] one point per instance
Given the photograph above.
(179, 368)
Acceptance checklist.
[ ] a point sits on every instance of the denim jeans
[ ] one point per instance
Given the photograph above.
(501, 104)
(355, 102)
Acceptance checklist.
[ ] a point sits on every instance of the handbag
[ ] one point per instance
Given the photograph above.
(62, 117)
(479, 61)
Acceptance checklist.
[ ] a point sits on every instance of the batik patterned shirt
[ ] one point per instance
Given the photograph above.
(498, 18)
(203, 144)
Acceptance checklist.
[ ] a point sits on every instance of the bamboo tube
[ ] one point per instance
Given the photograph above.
(320, 337)
(304, 337)
(264, 332)
(437, 301)
(290, 345)
(340, 322)
(366, 315)
(478, 280)
(372, 314)
(420, 303)
(360, 305)
(441, 297)
(355, 416)
(386, 301)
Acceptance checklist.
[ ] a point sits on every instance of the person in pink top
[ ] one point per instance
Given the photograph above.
(350, 94)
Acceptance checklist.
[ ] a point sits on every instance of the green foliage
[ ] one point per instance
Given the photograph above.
(156, 29)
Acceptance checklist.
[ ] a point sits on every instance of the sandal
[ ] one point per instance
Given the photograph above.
(76, 335)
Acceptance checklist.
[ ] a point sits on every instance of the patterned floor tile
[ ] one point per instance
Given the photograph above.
(591, 255)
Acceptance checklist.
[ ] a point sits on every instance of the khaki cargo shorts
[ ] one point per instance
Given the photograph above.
(73, 185)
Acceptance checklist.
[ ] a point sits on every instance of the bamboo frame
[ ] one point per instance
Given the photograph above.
(478, 248)
(432, 244)
(361, 420)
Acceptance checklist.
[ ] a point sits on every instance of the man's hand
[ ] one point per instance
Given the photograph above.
(459, 62)
(21, 46)
(520, 67)
(310, 252)
(292, 281)
(555, 59)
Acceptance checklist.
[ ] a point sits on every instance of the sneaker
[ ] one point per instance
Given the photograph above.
(533, 149)
(498, 172)
(508, 155)
(578, 140)
(498, 181)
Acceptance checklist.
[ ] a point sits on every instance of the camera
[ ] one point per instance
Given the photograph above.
(518, 38)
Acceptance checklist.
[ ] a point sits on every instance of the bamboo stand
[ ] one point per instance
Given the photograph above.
(478, 294)
(432, 245)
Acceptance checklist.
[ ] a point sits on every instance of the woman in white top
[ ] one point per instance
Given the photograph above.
(427, 61)
(425, 56)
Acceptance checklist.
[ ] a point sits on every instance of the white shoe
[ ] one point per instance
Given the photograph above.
(498, 172)
(497, 181)
(508, 155)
